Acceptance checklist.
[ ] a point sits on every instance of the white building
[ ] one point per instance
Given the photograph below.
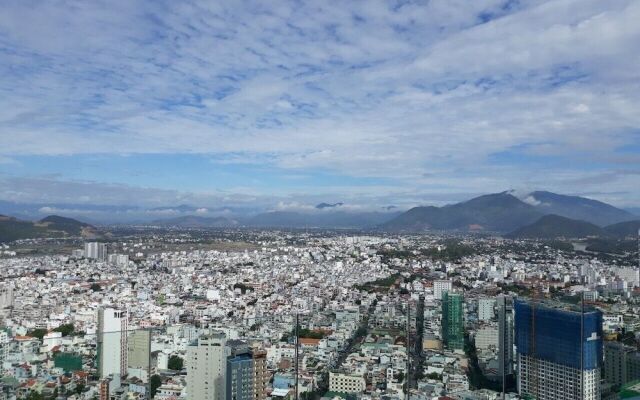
(206, 367)
(346, 383)
(440, 287)
(486, 309)
(95, 251)
(556, 381)
(487, 337)
(112, 341)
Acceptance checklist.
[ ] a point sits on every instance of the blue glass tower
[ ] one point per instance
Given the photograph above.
(240, 372)
(559, 351)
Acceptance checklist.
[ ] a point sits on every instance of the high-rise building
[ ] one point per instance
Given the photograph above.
(139, 354)
(621, 364)
(559, 352)
(486, 309)
(505, 336)
(260, 374)
(439, 287)
(95, 251)
(112, 342)
(240, 373)
(206, 367)
(452, 321)
(4, 347)
(6, 295)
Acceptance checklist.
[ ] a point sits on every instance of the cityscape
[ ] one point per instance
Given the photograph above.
(312, 200)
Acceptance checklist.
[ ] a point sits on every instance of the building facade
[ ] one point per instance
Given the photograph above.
(261, 375)
(112, 342)
(559, 352)
(439, 287)
(206, 367)
(621, 364)
(346, 383)
(452, 321)
(486, 309)
(240, 372)
(506, 362)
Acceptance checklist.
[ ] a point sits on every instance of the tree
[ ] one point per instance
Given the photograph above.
(79, 388)
(156, 382)
(95, 287)
(65, 329)
(175, 363)
(35, 396)
(37, 333)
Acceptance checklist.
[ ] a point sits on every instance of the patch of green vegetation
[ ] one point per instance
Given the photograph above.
(380, 284)
(451, 251)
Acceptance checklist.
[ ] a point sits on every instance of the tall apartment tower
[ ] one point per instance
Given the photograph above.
(261, 376)
(452, 321)
(95, 251)
(112, 342)
(206, 367)
(139, 353)
(559, 352)
(240, 372)
(505, 336)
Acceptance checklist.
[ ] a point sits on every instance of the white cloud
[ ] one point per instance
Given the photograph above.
(362, 90)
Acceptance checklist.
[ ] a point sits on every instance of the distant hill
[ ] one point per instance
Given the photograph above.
(52, 226)
(555, 226)
(325, 219)
(624, 229)
(193, 221)
(580, 208)
(498, 212)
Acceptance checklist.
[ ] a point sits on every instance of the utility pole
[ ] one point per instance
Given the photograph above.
(296, 355)
(408, 378)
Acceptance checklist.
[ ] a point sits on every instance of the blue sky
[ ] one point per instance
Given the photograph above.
(281, 106)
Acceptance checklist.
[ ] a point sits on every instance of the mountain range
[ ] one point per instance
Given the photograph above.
(52, 226)
(540, 214)
(537, 214)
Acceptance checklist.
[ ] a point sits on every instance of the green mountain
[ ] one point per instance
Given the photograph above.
(498, 212)
(554, 226)
(624, 229)
(576, 207)
(52, 226)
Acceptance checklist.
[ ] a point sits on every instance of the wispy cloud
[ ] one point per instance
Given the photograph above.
(424, 93)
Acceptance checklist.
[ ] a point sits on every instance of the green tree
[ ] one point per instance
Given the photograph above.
(35, 396)
(79, 388)
(96, 287)
(37, 333)
(156, 382)
(175, 363)
(65, 329)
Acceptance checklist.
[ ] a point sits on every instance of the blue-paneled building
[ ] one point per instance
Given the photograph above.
(559, 351)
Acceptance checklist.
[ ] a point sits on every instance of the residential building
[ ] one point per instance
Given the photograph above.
(112, 341)
(439, 287)
(559, 352)
(346, 383)
(240, 372)
(206, 367)
(486, 309)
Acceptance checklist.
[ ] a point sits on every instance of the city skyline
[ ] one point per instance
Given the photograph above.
(160, 104)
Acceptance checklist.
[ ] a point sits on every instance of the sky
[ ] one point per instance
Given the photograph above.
(281, 105)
